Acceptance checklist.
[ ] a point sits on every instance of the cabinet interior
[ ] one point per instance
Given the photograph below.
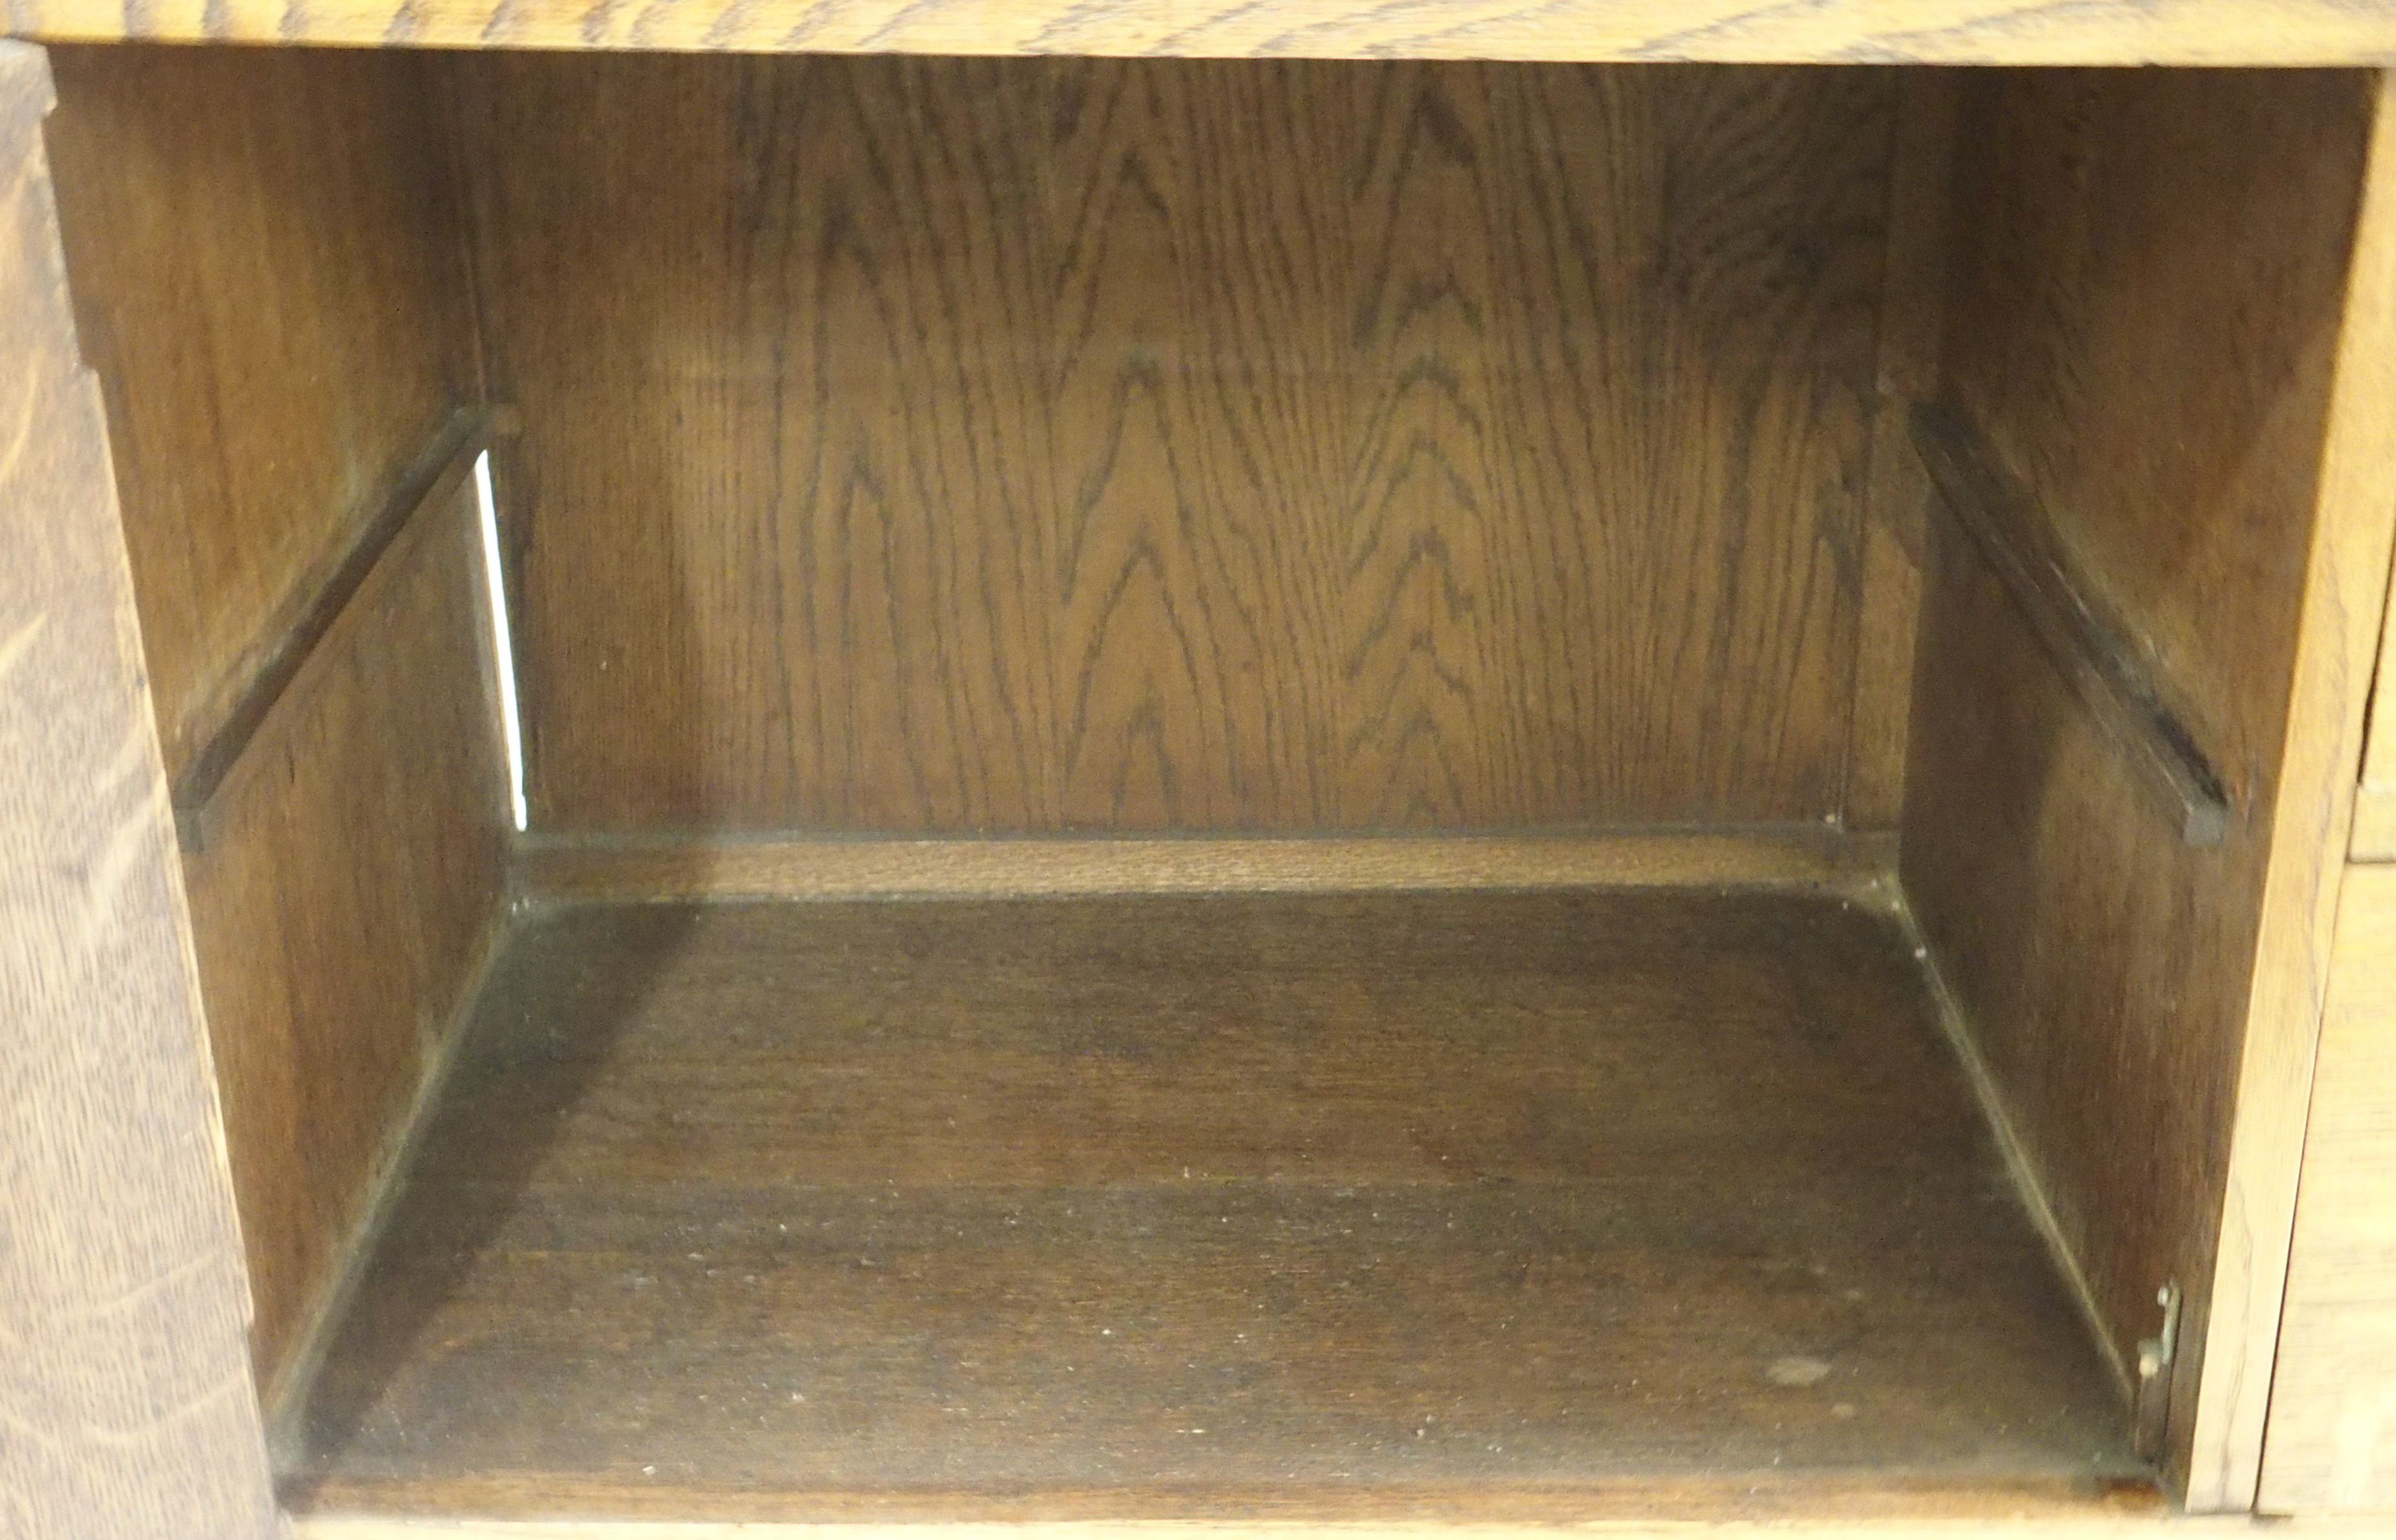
(1249, 788)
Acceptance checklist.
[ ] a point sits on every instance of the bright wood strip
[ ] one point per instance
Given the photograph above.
(2331, 1446)
(2375, 806)
(2374, 820)
(126, 1403)
(2337, 637)
(854, 869)
(1948, 32)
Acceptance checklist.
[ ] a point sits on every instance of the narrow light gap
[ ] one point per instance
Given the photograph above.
(502, 643)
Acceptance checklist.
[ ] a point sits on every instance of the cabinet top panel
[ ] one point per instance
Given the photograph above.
(1927, 31)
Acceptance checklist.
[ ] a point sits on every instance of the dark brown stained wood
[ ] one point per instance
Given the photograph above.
(126, 1404)
(963, 446)
(430, 489)
(2014, 536)
(2144, 308)
(347, 892)
(1889, 31)
(269, 281)
(1497, 1204)
(1808, 857)
(1914, 289)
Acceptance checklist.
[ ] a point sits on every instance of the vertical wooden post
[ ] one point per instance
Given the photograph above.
(126, 1405)
(2346, 592)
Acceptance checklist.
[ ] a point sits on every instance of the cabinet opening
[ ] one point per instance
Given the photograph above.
(1241, 789)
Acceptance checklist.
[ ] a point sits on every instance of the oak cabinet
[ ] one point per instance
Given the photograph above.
(1469, 770)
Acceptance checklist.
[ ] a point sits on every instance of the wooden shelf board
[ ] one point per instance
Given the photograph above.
(1497, 1205)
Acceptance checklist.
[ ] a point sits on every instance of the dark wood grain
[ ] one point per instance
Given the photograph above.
(2152, 270)
(126, 1403)
(1508, 1203)
(1897, 495)
(342, 904)
(1075, 445)
(269, 283)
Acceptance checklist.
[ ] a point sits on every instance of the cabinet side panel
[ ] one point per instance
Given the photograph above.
(273, 286)
(1106, 446)
(2332, 1445)
(123, 1390)
(270, 287)
(2143, 324)
(342, 906)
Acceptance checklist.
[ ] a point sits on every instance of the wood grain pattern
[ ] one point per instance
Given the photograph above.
(1806, 858)
(268, 283)
(1233, 1204)
(349, 886)
(1076, 445)
(126, 1404)
(2014, 1526)
(2152, 274)
(2331, 1446)
(2018, 541)
(1888, 31)
(2346, 592)
(1913, 293)
(428, 489)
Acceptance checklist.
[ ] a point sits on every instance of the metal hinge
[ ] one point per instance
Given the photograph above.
(2156, 1355)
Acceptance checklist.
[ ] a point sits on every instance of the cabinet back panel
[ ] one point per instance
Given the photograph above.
(267, 283)
(1032, 446)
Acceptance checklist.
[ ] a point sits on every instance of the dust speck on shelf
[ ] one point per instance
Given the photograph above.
(1796, 1370)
